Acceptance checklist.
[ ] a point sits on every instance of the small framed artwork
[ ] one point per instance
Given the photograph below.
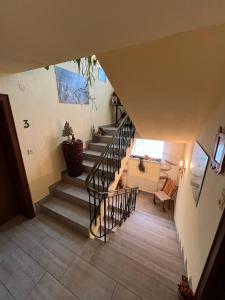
(198, 166)
(219, 152)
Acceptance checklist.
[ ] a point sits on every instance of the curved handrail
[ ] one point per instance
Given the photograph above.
(102, 174)
(124, 213)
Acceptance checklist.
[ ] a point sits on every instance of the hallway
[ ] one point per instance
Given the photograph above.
(43, 259)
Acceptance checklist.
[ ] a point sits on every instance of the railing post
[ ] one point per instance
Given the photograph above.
(105, 230)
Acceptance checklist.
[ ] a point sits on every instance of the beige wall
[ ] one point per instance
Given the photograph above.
(197, 226)
(33, 96)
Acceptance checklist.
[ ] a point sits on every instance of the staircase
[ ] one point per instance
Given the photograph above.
(75, 200)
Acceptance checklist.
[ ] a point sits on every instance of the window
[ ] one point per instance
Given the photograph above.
(151, 148)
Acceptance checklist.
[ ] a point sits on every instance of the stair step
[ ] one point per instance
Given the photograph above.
(95, 146)
(71, 214)
(91, 155)
(88, 165)
(109, 130)
(78, 181)
(72, 193)
(103, 138)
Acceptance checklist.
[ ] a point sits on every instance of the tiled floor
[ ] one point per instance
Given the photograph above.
(43, 259)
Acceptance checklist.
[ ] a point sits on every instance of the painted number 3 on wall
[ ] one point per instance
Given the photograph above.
(26, 124)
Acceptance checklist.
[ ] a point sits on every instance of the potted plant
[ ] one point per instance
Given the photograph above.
(73, 152)
(184, 291)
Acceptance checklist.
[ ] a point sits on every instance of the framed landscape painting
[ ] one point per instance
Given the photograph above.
(198, 166)
(71, 87)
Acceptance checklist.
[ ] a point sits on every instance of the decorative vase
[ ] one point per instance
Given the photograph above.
(73, 154)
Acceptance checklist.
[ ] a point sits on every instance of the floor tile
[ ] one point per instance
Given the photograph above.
(53, 256)
(8, 297)
(3, 291)
(87, 282)
(121, 293)
(131, 274)
(79, 243)
(25, 235)
(49, 225)
(19, 273)
(6, 247)
(48, 289)
(61, 252)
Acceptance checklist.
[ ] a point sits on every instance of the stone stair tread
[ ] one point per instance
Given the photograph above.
(99, 144)
(88, 163)
(92, 152)
(73, 213)
(73, 190)
(82, 177)
(110, 127)
(105, 135)
(91, 164)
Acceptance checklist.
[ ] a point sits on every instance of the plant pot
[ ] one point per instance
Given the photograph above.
(180, 297)
(73, 155)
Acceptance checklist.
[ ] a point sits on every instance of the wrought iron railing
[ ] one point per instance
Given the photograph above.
(101, 201)
(110, 209)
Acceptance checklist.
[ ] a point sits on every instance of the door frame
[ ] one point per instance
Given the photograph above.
(211, 283)
(15, 160)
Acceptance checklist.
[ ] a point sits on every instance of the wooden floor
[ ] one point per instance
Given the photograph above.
(43, 259)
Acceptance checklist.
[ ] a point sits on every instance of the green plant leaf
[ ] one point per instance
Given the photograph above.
(78, 61)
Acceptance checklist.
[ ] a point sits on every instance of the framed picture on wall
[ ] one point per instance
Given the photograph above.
(198, 166)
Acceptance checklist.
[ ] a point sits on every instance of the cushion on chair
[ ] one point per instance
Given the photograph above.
(162, 196)
(170, 187)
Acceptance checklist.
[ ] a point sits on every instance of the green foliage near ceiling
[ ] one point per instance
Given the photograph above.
(86, 67)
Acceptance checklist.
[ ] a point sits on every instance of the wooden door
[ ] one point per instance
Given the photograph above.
(15, 195)
(9, 207)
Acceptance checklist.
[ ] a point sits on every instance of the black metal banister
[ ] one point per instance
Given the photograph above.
(106, 151)
(110, 208)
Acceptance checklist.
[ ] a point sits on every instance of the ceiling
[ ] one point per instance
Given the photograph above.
(170, 86)
(166, 59)
(44, 32)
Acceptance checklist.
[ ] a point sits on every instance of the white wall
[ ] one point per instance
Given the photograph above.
(197, 226)
(146, 181)
(172, 154)
(150, 181)
(33, 96)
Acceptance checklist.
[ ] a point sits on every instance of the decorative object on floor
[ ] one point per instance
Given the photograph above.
(184, 291)
(67, 131)
(167, 193)
(73, 152)
(218, 161)
(93, 131)
(71, 87)
(101, 131)
(115, 99)
(198, 166)
(141, 166)
(182, 168)
(101, 75)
